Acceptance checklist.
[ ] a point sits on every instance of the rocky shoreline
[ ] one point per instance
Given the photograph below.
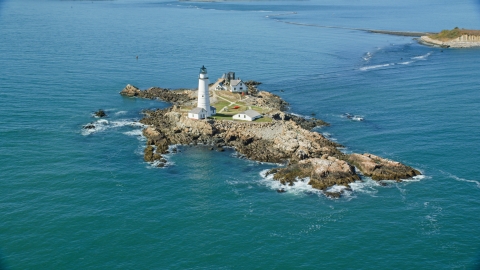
(448, 44)
(288, 139)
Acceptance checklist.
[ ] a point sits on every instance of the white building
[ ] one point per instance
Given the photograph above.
(238, 86)
(197, 113)
(248, 115)
(203, 98)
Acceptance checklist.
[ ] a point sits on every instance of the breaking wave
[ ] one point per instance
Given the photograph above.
(375, 66)
(299, 188)
(422, 57)
(461, 179)
(103, 124)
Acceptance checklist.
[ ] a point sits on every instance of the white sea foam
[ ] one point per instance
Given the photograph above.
(367, 56)
(375, 66)
(103, 124)
(301, 115)
(121, 113)
(136, 133)
(98, 125)
(367, 186)
(299, 187)
(460, 179)
(422, 57)
(406, 63)
(125, 122)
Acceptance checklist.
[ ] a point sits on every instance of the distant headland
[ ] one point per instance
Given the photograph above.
(455, 38)
(233, 113)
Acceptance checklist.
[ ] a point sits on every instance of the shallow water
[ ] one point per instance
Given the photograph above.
(74, 199)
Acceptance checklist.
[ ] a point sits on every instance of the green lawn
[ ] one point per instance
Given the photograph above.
(222, 116)
(264, 120)
(219, 105)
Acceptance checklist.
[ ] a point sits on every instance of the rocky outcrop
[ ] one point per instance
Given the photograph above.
(465, 41)
(323, 172)
(100, 113)
(277, 141)
(287, 139)
(380, 168)
(305, 123)
(181, 96)
(269, 100)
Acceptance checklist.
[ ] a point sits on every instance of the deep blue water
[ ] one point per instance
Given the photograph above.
(76, 200)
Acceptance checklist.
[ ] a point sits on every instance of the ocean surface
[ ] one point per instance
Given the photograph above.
(72, 199)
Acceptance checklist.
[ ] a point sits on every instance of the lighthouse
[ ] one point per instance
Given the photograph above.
(203, 95)
(203, 109)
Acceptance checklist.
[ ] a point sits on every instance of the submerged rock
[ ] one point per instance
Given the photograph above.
(89, 126)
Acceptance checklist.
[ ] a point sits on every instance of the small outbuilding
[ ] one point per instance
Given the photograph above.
(248, 115)
(197, 113)
(213, 110)
(238, 86)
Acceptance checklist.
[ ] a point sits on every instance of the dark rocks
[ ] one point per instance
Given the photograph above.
(89, 126)
(281, 190)
(100, 113)
(333, 195)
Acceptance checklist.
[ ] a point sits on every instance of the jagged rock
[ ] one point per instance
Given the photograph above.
(148, 153)
(380, 168)
(89, 126)
(130, 91)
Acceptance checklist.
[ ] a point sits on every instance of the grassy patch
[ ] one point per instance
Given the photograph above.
(219, 105)
(263, 120)
(222, 116)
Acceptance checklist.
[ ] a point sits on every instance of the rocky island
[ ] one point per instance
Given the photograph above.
(277, 137)
(455, 38)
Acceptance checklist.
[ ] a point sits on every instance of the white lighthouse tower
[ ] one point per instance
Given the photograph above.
(203, 109)
(203, 95)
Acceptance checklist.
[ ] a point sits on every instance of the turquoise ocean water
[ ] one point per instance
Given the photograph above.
(77, 200)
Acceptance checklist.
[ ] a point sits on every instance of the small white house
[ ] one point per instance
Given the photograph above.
(248, 115)
(197, 113)
(237, 86)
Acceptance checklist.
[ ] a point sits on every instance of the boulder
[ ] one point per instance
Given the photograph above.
(130, 91)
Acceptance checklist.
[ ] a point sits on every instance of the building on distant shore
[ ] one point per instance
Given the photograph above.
(203, 109)
(237, 86)
(248, 115)
(228, 76)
